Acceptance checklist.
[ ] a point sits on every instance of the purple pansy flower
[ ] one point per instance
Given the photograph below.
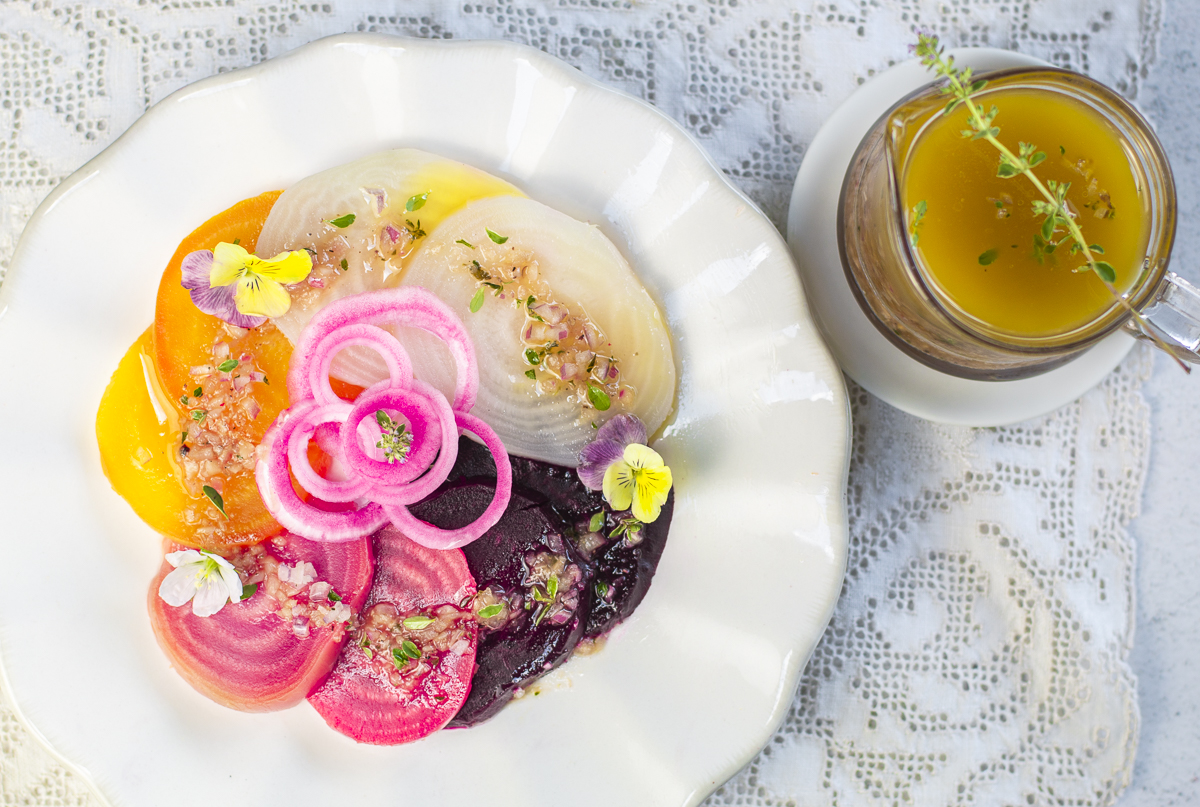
(215, 300)
(608, 447)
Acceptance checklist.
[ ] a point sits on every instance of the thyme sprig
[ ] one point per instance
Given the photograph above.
(962, 87)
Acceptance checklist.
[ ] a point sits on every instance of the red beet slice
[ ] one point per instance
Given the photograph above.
(622, 570)
(362, 698)
(511, 564)
(245, 656)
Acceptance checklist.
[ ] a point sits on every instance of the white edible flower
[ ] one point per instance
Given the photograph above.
(299, 575)
(208, 580)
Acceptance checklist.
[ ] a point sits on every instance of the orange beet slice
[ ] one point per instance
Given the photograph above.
(146, 418)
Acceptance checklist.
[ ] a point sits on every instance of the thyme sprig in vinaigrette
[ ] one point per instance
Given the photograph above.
(1057, 217)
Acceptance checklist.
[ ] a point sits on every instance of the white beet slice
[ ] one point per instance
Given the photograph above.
(375, 190)
(587, 274)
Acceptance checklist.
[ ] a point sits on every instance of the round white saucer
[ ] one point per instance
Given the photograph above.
(863, 352)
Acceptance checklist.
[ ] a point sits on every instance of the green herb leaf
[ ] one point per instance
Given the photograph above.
(266, 381)
(1106, 272)
(237, 241)
(598, 397)
(499, 239)
(476, 301)
(198, 392)
(408, 648)
(343, 221)
(597, 522)
(215, 498)
(334, 596)
(490, 611)
(367, 650)
(552, 587)
(417, 202)
(950, 107)
(601, 589)
(1096, 248)
(198, 415)
(227, 365)
(532, 374)
(1062, 150)
(989, 256)
(183, 437)
(465, 243)
(977, 86)
(1007, 170)
(1037, 158)
(345, 265)
(398, 658)
(248, 590)
(417, 622)
(532, 356)
(183, 399)
(1048, 228)
(922, 207)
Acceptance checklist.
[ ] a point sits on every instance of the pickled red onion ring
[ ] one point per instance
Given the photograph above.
(410, 306)
(349, 432)
(382, 342)
(275, 486)
(432, 537)
(297, 453)
(423, 407)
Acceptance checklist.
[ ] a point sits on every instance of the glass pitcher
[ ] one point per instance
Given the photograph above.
(904, 299)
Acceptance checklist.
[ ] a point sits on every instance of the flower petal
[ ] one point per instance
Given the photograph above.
(217, 302)
(651, 488)
(286, 267)
(180, 585)
(231, 581)
(594, 460)
(196, 269)
(261, 297)
(229, 263)
(640, 456)
(183, 556)
(623, 429)
(211, 596)
(619, 485)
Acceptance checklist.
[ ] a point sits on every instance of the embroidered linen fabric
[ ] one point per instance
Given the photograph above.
(977, 655)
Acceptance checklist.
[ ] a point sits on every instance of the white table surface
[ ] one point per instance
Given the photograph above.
(1166, 648)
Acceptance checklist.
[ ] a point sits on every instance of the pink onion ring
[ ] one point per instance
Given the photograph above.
(382, 342)
(432, 537)
(420, 404)
(410, 306)
(275, 486)
(297, 453)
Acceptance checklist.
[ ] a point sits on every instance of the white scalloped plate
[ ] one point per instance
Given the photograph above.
(684, 693)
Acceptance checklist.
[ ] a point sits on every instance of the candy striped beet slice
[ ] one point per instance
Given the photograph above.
(407, 667)
(270, 650)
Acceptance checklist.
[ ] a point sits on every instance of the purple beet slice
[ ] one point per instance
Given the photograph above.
(269, 651)
(623, 566)
(532, 602)
(407, 667)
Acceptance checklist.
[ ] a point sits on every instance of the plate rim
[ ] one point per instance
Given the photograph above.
(563, 71)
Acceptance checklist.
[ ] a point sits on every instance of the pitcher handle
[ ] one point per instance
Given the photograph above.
(1174, 313)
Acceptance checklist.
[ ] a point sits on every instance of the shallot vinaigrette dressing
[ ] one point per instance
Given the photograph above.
(976, 238)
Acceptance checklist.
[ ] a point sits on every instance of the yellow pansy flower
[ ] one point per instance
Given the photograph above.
(260, 282)
(639, 479)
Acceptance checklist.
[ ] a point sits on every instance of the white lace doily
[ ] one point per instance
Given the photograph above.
(977, 655)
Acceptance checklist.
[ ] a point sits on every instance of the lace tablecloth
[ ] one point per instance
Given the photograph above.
(978, 652)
